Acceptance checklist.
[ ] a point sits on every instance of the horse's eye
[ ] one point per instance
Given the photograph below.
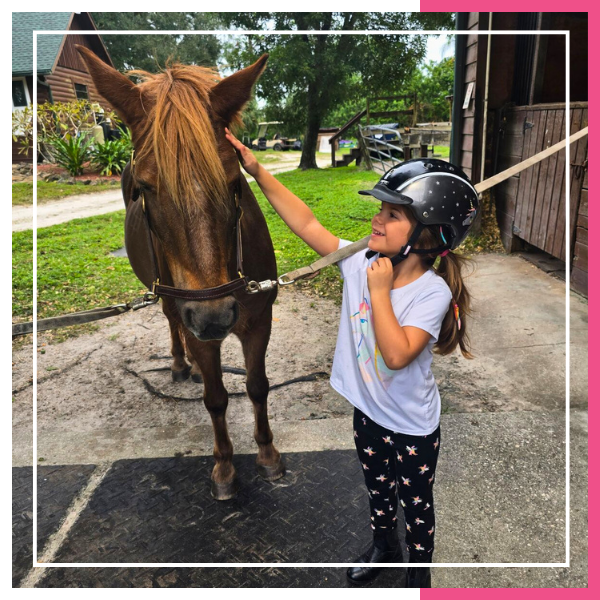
(145, 187)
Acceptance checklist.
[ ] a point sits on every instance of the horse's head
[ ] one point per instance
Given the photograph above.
(186, 172)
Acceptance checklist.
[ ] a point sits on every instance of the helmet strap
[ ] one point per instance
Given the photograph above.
(408, 248)
(405, 250)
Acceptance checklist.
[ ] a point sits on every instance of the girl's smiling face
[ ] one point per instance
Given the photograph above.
(391, 228)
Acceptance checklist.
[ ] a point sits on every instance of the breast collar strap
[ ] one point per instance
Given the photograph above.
(241, 283)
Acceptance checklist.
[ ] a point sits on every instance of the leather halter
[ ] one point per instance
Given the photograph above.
(157, 289)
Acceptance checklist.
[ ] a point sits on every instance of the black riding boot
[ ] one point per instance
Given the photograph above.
(418, 577)
(383, 550)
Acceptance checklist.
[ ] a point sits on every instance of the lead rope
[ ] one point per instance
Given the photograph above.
(310, 271)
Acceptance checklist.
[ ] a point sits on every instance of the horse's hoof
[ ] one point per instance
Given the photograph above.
(179, 376)
(271, 473)
(224, 491)
(197, 378)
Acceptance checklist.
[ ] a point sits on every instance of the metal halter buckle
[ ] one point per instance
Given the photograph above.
(254, 287)
(150, 298)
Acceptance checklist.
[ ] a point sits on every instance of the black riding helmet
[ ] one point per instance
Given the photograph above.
(438, 193)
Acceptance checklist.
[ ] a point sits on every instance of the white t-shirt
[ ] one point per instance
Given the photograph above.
(405, 400)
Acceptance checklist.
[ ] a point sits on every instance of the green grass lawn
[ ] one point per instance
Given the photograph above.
(77, 272)
(22, 193)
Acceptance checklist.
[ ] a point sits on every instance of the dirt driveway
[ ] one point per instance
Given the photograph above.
(99, 203)
(108, 394)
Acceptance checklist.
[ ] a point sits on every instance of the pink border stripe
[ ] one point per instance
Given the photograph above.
(594, 317)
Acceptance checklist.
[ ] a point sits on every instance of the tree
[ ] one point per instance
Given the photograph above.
(150, 52)
(309, 75)
(431, 86)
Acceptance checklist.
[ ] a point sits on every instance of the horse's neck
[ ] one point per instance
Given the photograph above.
(257, 246)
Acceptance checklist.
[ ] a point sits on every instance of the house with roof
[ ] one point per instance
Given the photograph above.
(61, 74)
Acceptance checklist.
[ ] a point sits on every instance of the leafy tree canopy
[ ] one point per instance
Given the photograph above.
(310, 75)
(149, 52)
(432, 85)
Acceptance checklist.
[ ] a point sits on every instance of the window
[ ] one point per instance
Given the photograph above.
(19, 94)
(20, 99)
(81, 91)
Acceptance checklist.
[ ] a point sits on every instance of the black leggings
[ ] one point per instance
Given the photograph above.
(399, 465)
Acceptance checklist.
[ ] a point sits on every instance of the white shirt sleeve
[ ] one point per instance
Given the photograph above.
(429, 309)
(353, 263)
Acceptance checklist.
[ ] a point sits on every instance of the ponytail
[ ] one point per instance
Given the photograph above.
(454, 326)
(450, 268)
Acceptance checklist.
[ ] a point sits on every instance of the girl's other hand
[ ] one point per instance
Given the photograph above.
(380, 276)
(245, 156)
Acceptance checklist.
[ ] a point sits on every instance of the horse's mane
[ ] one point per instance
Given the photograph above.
(179, 132)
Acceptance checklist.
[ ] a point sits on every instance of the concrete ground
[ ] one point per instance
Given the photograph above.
(501, 479)
(501, 482)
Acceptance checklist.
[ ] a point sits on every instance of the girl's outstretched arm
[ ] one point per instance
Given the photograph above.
(295, 213)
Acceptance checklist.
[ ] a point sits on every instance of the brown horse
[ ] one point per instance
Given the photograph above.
(187, 174)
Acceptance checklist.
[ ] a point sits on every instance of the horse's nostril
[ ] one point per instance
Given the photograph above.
(188, 317)
(235, 313)
(210, 322)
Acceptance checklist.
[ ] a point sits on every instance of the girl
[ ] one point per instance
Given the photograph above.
(396, 308)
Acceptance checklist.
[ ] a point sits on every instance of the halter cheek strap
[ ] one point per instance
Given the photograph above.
(158, 290)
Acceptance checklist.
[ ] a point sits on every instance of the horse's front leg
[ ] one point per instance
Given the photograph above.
(180, 370)
(207, 355)
(254, 345)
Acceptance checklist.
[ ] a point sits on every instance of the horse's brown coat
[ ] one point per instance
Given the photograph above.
(177, 119)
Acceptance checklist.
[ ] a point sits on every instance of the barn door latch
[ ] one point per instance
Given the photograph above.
(526, 125)
(578, 169)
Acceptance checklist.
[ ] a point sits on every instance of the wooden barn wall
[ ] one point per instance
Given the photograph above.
(476, 48)
(579, 214)
(468, 115)
(71, 70)
(20, 158)
(531, 205)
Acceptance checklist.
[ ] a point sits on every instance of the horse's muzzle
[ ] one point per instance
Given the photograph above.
(210, 320)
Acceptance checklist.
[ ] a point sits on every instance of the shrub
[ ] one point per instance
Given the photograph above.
(56, 120)
(70, 152)
(112, 156)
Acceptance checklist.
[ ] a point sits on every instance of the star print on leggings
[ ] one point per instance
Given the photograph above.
(396, 479)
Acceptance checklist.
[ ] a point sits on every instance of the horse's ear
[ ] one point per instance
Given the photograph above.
(123, 95)
(230, 95)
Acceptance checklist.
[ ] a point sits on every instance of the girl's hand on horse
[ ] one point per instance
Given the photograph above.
(380, 276)
(245, 156)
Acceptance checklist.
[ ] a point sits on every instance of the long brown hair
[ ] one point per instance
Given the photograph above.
(180, 134)
(451, 268)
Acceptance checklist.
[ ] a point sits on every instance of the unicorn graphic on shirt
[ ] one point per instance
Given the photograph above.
(364, 337)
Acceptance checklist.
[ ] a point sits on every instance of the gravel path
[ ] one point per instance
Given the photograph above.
(99, 203)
